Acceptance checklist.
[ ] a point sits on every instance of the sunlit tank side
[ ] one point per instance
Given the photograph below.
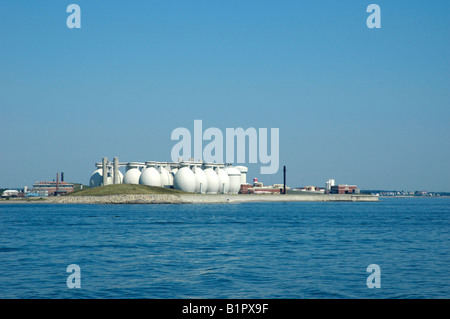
(185, 179)
(110, 177)
(224, 181)
(235, 179)
(120, 178)
(172, 172)
(109, 180)
(201, 180)
(171, 177)
(150, 176)
(132, 174)
(212, 179)
(244, 171)
(165, 178)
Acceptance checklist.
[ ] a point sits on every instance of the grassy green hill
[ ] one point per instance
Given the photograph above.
(77, 186)
(124, 189)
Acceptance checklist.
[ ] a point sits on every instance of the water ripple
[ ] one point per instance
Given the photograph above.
(258, 250)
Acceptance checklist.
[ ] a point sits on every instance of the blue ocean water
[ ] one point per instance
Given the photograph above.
(264, 250)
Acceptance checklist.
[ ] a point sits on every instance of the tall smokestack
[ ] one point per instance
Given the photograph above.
(62, 176)
(57, 182)
(284, 178)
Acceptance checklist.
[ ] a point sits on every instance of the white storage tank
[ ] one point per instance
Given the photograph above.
(150, 175)
(110, 178)
(328, 185)
(235, 179)
(224, 181)
(165, 176)
(171, 177)
(185, 179)
(201, 180)
(244, 171)
(132, 174)
(212, 178)
(172, 173)
(96, 179)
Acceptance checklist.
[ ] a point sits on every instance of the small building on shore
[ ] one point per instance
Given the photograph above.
(10, 193)
(344, 189)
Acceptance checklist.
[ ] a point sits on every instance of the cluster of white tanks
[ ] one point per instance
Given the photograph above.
(188, 176)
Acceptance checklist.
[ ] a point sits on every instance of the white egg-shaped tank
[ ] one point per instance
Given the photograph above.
(201, 180)
(172, 172)
(96, 179)
(132, 174)
(109, 180)
(185, 180)
(171, 177)
(244, 171)
(235, 179)
(150, 175)
(213, 180)
(165, 177)
(224, 181)
(120, 177)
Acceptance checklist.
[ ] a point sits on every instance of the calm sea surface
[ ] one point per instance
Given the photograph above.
(267, 250)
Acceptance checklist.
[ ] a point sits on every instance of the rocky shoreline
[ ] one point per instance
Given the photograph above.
(117, 199)
(205, 199)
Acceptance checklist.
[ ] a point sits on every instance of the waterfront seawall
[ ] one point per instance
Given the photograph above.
(241, 198)
(205, 199)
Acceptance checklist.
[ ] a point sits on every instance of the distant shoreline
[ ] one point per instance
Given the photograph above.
(197, 199)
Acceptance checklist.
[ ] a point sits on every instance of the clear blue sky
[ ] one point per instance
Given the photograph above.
(363, 106)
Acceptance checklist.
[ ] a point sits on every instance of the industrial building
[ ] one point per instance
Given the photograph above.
(311, 189)
(344, 189)
(53, 188)
(189, 176)
(259, 188)
(331, 188)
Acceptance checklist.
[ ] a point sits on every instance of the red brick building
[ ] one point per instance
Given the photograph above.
(246, 189)
(343, 189)
(52, 188)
